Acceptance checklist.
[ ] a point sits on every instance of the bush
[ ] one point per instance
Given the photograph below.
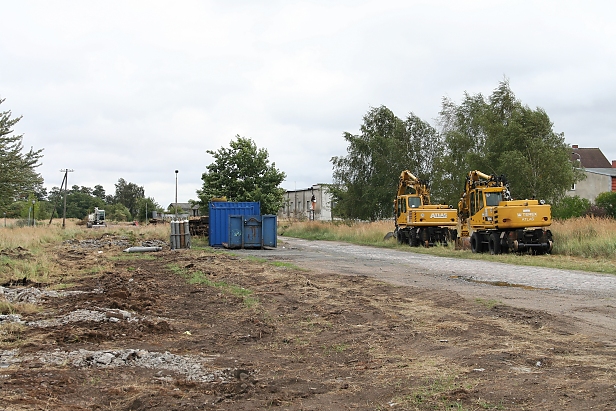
(570, 207)
(607, 201)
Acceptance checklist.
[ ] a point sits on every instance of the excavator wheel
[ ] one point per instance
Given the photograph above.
(494, 244)
(398, 236)
(476, 246)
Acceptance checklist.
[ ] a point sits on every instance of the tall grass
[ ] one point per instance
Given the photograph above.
(583, 243)
(587, 237)
(365, 233)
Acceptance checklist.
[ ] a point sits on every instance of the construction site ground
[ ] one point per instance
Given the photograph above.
(306, 326)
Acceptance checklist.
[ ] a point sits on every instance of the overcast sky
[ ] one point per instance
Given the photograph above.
(138, 89)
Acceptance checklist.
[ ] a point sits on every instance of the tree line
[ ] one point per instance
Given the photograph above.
(496, 135)
(126, 204)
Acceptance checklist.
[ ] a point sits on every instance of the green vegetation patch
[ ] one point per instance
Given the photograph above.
(198, 277)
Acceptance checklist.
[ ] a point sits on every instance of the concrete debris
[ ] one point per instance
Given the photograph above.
(31, 295)
(111, 315)
(191, 367)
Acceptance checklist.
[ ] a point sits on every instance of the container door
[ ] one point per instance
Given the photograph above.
(269, 229)
(252, 231)
(236, 223)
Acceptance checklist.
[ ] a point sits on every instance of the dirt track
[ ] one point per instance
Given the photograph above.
(192, 329)
(589, 299)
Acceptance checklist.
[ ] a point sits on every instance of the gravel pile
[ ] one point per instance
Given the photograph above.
(31, 295)
(191, 367)
(107, 242)
(97, 315)
(111, 315)
(99, 243)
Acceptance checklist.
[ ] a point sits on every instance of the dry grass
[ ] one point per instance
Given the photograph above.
(25, 251)
(587, 237)
(368, 233)
(17, 308)
(587, 243)
(11, 334)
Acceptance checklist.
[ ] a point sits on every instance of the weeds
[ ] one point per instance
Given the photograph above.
(6, 308)
(198, 277)
(11, 333)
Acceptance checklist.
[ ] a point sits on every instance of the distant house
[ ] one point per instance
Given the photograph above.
(600, 173)
(314, 203)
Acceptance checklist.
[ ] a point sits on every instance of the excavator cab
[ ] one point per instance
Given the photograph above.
(414, 202)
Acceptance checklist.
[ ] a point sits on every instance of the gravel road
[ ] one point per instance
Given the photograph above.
(588, 298)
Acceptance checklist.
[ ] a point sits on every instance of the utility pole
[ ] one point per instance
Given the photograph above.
(65, 181)
(176, 194)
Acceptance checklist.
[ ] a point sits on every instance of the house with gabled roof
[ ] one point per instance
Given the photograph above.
(600, 173)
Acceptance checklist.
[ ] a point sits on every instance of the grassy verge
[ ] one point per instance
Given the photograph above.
(586, 244)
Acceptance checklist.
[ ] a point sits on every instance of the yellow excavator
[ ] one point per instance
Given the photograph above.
(496, 223)
(417, 221)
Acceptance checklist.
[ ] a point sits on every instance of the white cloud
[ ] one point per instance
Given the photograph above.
(137, 89)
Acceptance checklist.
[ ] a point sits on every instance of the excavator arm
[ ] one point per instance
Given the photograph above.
(407, 179)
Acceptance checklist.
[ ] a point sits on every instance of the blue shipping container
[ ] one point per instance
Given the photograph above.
(220, 211)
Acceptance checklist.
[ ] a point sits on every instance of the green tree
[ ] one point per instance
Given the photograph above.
(128, 194)
(568, 207)
(79, 201)
(365, 181)
(145, 207)
(99, 191)
(500, 135)
(607, 201)
(18, 176)
(243, 172)
(117, 212)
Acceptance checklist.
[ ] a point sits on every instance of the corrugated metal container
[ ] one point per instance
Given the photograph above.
(269, 229)
(220, 211)
(252, 232)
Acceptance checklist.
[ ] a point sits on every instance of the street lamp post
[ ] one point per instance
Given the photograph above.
(176, 194)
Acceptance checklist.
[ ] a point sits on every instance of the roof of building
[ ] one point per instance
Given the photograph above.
(602, 171)
(318, 186)
(590, 157)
